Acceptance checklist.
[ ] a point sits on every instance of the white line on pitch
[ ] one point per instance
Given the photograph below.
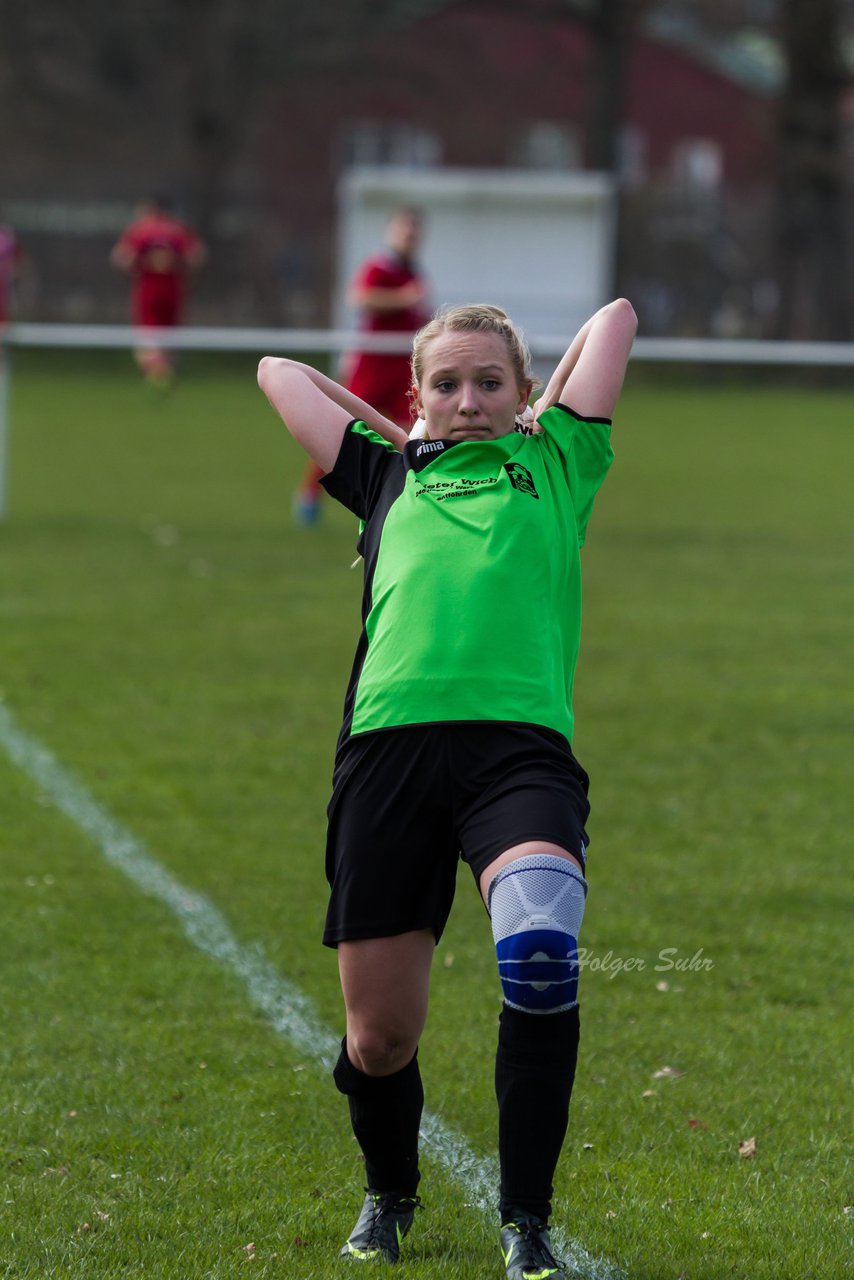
(287, 1008)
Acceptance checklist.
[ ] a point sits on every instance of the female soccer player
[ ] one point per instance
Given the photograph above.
(158, 251)
(457, 730)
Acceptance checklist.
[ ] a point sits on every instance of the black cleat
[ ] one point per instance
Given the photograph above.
(527, 1251)
(383, 1222)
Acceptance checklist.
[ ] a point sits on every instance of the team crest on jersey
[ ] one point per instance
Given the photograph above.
(521, 478)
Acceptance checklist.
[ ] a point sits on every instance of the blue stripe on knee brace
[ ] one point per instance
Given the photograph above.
(539, 970)
(537, 903)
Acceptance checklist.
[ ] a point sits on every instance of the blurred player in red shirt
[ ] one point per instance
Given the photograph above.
(157, 250)
(390, 294)
(11, 256)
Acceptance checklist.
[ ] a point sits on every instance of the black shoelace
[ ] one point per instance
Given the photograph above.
(533, 1232)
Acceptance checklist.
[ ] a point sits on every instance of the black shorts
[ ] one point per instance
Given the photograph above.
(407, 803)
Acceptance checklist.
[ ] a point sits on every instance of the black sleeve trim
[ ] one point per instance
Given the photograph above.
(359, 471)
(579, 417)
(334, 467)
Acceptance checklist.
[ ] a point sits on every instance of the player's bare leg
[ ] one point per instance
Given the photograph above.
(307, 499)
(386, 985)
(155, 365)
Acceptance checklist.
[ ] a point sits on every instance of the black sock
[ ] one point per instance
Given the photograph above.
(385, 1112)
(534, 1073)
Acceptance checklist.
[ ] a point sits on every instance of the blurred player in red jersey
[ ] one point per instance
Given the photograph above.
(390, 294)
(157, 250)
(11, 256)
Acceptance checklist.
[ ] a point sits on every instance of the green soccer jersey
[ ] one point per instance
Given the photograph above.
(472, 598)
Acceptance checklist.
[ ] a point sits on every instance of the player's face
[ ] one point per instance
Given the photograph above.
(404, 234)
(469, 389)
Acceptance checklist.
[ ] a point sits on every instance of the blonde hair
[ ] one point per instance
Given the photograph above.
(479, 318)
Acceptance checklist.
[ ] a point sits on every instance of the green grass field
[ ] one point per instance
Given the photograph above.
(182, 651)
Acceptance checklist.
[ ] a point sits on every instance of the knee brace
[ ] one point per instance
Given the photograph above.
(536, 904)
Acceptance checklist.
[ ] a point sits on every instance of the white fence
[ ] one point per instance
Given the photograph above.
(743, 351)
(335, 341)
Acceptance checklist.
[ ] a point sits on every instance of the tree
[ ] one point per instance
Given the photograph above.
(612, 25)
(812, 225)
(194, 76)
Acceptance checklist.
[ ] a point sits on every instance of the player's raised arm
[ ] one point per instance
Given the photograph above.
(590, 376)
(316, 409)
(122, 256)
(387, 298)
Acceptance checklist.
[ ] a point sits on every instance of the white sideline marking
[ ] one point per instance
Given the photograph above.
(288, 1010)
